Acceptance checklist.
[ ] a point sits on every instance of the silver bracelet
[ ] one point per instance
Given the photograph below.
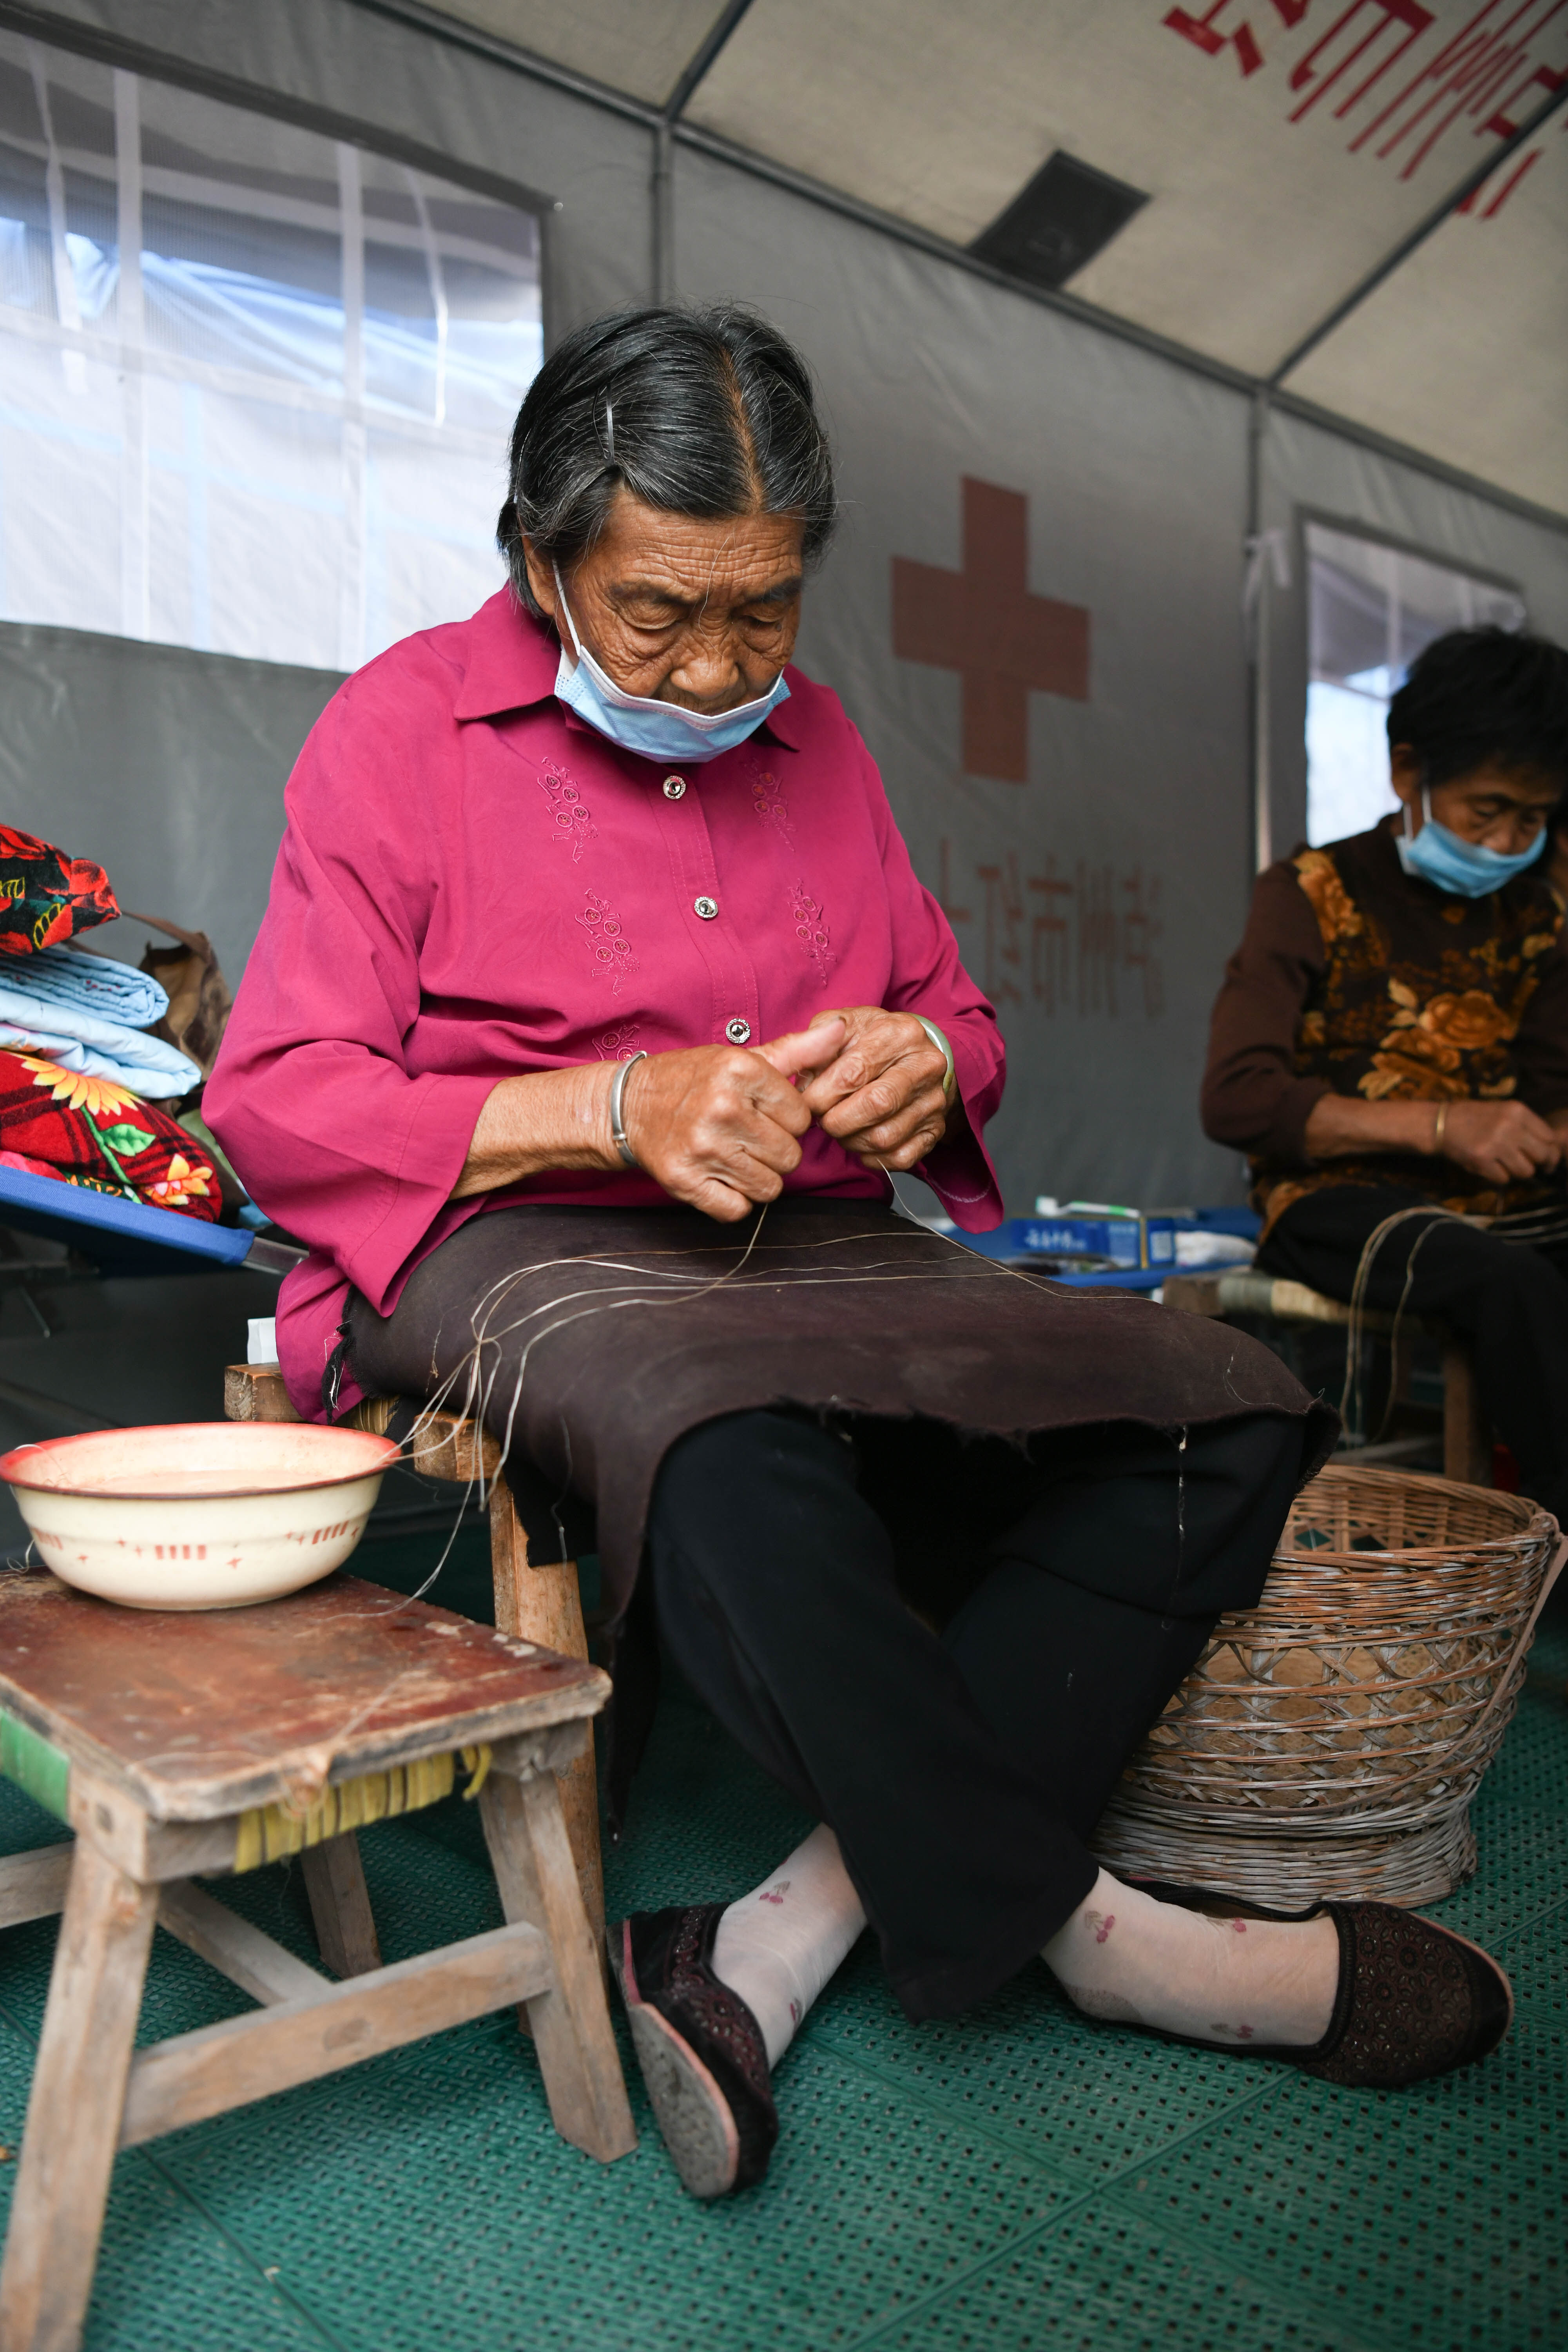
(950, 1075)
(617, 1119)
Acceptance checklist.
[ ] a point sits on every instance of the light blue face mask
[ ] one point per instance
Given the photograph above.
(1465, 867)
(654, 730)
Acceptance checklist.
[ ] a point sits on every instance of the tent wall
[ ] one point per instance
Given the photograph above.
(165, 765)
(1098, 897)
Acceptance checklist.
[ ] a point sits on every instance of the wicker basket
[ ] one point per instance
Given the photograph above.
(1330, 1741)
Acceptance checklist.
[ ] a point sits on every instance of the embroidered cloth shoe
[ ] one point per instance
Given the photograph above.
(700, 2048)
(1413, 1999)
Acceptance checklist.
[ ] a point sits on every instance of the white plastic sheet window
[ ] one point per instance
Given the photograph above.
(1372, 609)
(255, 384)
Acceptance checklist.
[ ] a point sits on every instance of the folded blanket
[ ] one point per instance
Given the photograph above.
(84, 1130)
(45, 896)
(99, 1049)
(94, 983)
(26, 1167)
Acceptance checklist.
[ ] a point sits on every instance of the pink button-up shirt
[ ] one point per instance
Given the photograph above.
(473, 884)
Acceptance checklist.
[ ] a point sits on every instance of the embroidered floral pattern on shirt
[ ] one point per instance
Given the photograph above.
(768, 799)
(615, 1045)
(573, 823)
(811, 931)
(611, 949)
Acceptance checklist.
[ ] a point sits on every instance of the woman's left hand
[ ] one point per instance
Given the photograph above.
(881, 1095)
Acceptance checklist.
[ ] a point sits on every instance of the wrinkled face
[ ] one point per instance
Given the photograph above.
(702, 615)
(1496, 808)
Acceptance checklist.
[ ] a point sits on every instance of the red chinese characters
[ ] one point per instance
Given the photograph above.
(1085, 940)
(1205, 34)
(1388, 71)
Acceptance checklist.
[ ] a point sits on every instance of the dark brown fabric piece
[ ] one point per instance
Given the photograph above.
(199, 999)
(1354, 978)
(632, 1326)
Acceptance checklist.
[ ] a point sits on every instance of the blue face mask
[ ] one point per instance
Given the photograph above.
(654, 730)
(1465, 868)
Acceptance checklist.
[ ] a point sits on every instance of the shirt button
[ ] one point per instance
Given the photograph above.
(738, 1031)
(673, 787)
(706, 907)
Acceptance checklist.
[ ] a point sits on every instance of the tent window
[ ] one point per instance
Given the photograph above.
(257, 383)
(1372, 609)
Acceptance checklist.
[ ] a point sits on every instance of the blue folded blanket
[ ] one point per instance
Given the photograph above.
(99, 1049)
(89, 983)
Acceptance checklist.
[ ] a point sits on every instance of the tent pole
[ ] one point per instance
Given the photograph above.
(663, 215)
(1418, 236)
(704, 59)
(697, 68)
(1259, 632)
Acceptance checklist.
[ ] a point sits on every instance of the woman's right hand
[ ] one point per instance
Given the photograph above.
(1502, 1142)
(718, 1124)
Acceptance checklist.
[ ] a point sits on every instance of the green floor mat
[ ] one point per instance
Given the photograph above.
(1020, 2178)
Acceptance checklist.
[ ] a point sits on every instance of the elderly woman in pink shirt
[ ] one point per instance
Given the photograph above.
(595, 1006)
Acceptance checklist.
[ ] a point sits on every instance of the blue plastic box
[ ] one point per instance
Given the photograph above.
(1123, 1242)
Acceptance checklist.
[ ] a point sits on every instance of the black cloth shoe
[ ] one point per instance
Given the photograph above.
(1413, 1999)
(700, 2048)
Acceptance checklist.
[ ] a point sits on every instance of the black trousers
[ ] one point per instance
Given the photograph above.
(1508, 1301)
(1074, 1584)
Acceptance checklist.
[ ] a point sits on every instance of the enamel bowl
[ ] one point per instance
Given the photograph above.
(201, 1514)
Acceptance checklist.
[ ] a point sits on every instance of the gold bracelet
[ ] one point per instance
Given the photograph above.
(1438, 1124)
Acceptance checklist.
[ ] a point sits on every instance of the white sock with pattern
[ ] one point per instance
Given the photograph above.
(1124, 1955)
(778, 1945)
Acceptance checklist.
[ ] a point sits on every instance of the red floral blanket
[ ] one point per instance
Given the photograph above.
(47, 896)
(87, 1131)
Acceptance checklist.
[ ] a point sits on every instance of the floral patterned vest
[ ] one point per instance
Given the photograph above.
(1421, 999)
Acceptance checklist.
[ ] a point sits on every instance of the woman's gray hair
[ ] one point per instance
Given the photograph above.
(707, 412)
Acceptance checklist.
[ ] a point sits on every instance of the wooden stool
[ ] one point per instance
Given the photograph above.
(177, 1745)
(540, 1603)
(1467, 1437)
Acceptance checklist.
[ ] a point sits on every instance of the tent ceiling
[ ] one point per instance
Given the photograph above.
(1286, 148)
(641, 47)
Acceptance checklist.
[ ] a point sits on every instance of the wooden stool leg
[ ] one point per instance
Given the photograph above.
(1466, 1439)
(543, 1605)
(73, 2113)
(339, 1906)
(537, 1875)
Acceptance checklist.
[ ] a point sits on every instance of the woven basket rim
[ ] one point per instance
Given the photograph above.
(1531, 1524)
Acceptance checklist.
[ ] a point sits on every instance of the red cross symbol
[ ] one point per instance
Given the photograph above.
(984, 622)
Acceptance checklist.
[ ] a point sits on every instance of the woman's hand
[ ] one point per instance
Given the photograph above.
(880, 1093)
(1501, 1141)
(718, 1124)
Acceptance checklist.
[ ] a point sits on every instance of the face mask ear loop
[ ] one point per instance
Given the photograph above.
(565, 607)
(1426, 803)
